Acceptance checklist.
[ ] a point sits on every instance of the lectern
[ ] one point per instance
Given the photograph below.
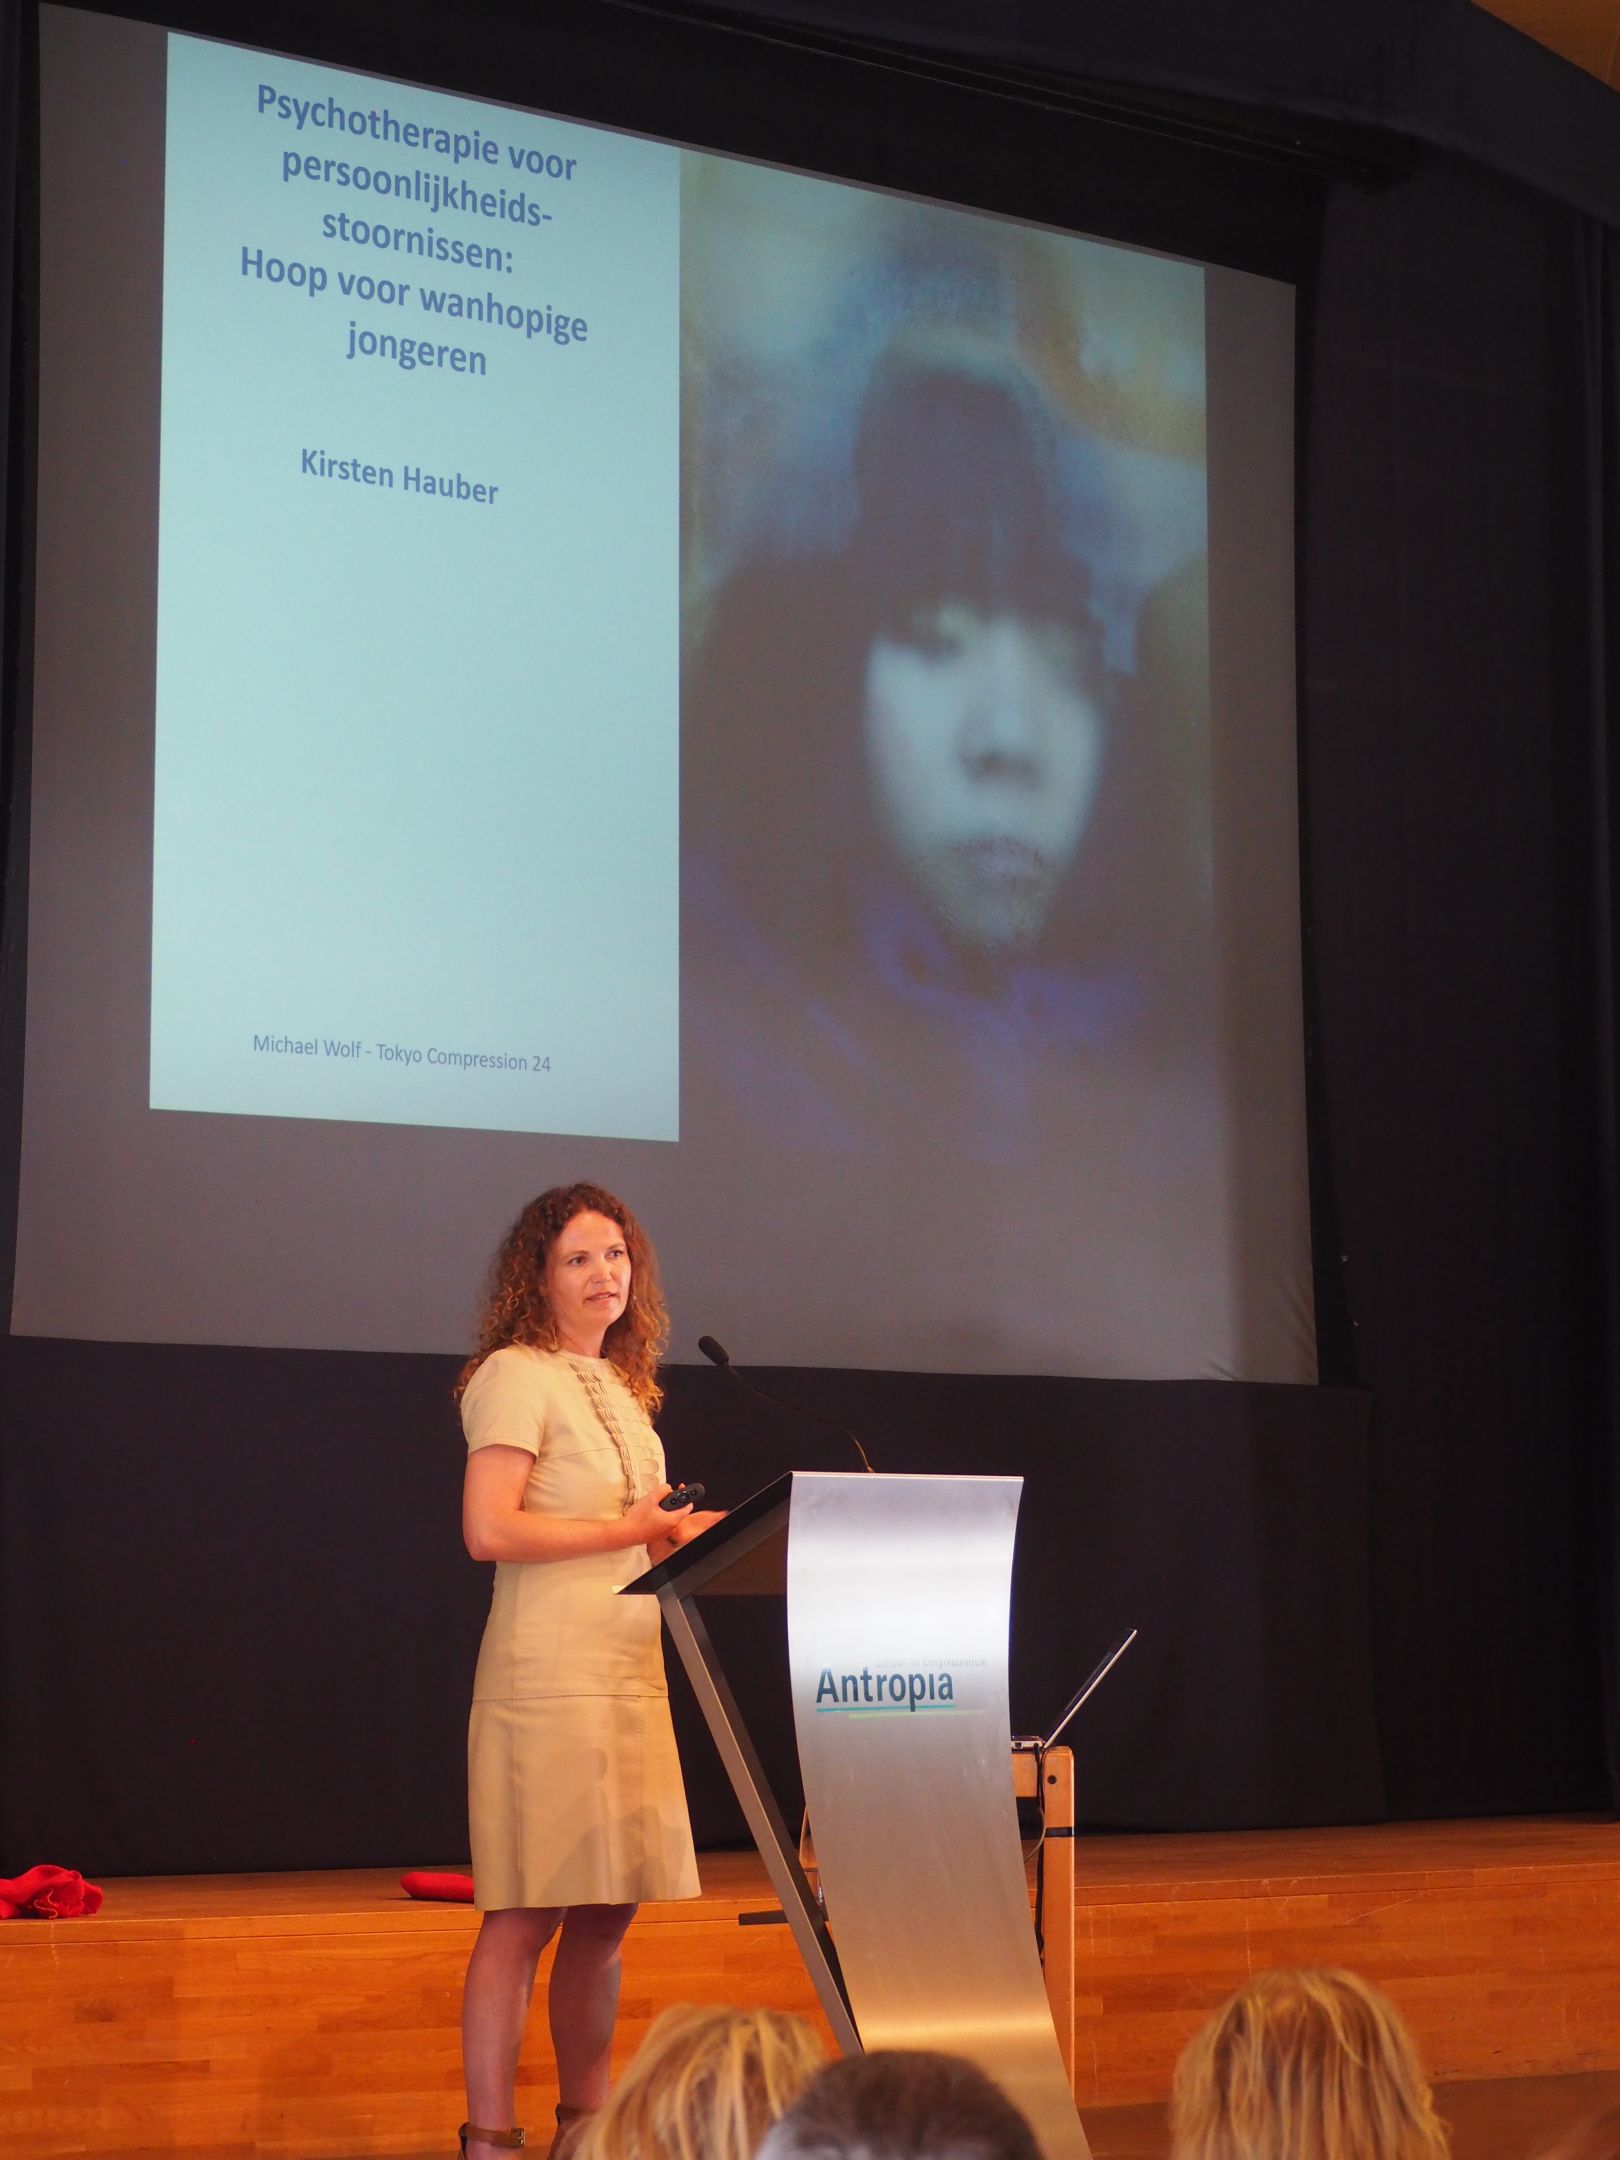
(898, 1597)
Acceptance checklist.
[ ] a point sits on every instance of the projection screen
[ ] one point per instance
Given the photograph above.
(560, 654)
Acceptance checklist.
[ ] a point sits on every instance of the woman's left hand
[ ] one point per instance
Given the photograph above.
(683, 1530)
(694, 1525)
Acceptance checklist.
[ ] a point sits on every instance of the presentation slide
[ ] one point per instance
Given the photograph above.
(417, 790)
(611, 660)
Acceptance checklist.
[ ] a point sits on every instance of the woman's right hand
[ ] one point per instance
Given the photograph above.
(647, 1522)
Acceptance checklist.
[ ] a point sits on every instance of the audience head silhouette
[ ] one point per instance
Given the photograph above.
(1304, 2066)
(706, 2084)
(902, 2105)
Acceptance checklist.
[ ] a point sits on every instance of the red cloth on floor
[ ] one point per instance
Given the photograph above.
(426, 1883)
(47, 1893)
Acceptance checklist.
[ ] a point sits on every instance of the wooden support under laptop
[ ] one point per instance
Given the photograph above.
(1049, 1778)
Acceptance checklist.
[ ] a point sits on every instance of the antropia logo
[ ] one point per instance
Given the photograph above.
(869, 1691)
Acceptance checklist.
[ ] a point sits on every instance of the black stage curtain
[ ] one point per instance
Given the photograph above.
(1458, 577)
(251, 1630)
(236, 1624)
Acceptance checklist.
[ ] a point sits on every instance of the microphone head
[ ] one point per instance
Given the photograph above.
(712, 1350)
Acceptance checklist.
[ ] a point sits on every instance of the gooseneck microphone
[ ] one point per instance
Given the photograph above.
(716, 1355)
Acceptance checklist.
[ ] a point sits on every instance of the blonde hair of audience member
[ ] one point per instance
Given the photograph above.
(1594, 2137)
(902, 2104)
(1304, 2066)
(706, 2084)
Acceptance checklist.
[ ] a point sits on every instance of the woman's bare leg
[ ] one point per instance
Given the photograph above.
(494, 2010)
(583, 2000)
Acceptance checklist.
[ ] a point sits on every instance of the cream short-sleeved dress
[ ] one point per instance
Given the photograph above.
(574, 1787)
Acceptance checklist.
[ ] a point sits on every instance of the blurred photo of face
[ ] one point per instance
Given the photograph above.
(984, 743)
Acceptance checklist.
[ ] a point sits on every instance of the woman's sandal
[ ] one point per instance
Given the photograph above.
(571, 2122)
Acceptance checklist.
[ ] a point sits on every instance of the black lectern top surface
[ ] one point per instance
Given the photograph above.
(744, 1556)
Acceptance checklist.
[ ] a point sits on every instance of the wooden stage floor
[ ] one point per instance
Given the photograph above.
(314, 2016)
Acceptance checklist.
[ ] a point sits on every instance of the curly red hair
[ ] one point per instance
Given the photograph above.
(516, 1310)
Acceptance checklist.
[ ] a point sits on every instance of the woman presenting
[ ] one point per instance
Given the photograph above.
(574, 1790)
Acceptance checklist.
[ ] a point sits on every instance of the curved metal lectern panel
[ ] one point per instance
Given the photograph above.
(898, 1612)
